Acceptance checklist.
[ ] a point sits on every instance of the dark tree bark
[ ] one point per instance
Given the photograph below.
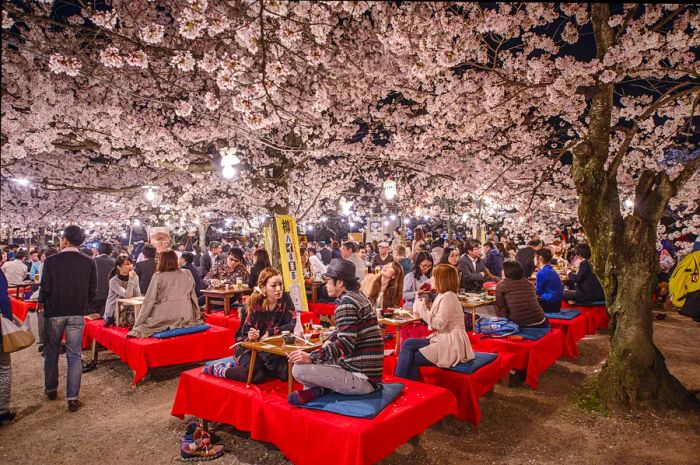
(624, 254)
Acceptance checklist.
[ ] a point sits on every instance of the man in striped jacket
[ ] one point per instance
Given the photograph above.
(350, 361)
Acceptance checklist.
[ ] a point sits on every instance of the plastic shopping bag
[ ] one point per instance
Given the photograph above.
(15, 337)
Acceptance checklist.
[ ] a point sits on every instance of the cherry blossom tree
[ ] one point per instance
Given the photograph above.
(561, 113)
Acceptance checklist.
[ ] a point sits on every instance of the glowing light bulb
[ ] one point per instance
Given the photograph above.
(228, 172)
(386, 222)
(150, 195)
(629, 203)
(137, 222)
(22, 181)
(310, 228)
(351, 224)
(392, 217)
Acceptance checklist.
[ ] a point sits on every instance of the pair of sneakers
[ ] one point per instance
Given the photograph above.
(198, 445)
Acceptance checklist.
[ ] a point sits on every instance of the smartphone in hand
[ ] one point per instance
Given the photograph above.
(426, 287)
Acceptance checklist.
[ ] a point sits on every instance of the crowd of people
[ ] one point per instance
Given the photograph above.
(424, 275)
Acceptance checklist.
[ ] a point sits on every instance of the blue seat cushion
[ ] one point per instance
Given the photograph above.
(592, 304)
(224, 360)
(480, 359)
(564, 314)
(367, 406)
(180, 331)
(531, 334)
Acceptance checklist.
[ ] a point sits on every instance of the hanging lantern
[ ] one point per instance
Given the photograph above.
(389, 189)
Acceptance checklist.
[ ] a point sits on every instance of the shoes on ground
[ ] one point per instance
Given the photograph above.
(7, 416)
(74, 405)
(88, 365)
(52, 395)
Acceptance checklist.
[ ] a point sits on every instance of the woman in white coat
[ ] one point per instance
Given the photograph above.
(449, 344)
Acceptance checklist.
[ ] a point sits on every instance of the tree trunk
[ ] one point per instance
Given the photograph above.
(635, 373)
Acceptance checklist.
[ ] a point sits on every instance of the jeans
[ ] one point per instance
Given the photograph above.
(410, 358)
(54, 329)
(334, 378)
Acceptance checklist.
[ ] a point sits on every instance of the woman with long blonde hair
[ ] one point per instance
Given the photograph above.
(387, 288)
(268, 311)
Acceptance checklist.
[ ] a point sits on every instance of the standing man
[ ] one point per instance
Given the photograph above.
(526, 257)
(105, 264)
(210, 258)
(68, 286)
(472, 267)
(349, 252)
(146, 267)
(351, 360)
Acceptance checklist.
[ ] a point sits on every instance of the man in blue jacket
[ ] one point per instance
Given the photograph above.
(547, 283)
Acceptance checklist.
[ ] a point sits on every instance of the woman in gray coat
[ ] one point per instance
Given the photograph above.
(170, 302)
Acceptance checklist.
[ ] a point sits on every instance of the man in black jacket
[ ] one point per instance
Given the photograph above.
(209, 259)
(471, 267)
(68, 287)
(105, 264)
(586, 287)
(145, 268)
(526, 257)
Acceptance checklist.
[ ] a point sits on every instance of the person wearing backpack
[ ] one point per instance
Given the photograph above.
(516, 298)
(684, 285)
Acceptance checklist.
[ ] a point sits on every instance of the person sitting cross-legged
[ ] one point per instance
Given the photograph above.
(351, 360)
(548, 283)
(268, 312)
(449, 344)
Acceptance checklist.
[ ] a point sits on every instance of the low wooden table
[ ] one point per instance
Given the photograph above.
(19, 288)
(275, 345)
(472, 305)
(135, 301)
(398, 323)
(224, 296)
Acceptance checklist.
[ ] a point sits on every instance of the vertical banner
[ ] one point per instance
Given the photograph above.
(291, 260)
(267, 236)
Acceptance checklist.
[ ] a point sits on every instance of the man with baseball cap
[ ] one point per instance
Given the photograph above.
(383, 257)
(351, 360)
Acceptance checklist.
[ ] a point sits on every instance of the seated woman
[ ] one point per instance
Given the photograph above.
(415, 279)
(262, 261)
(268, 312)
(387, 287)
(123, 284)
(586, 287)
(171, 301)
(516, 298)
(548, 283)
(449, 344)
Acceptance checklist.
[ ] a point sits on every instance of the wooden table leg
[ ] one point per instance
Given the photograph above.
(473, 320)
(94, 351)
(207, 308)
(398, 340)
(117, 310)
(227, 305)
(253, 356)
(290, 378)
(314, 293)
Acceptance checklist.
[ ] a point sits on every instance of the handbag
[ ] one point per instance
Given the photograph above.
(126, 317)
(500, 325)
(15, 337)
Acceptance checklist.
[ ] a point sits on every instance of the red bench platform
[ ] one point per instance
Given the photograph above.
(142, 354)
(597, 315)
(310, 437)
(574, 330)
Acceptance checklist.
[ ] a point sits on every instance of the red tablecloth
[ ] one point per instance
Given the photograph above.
(322, 309)
(231, 321)
(467, 389)
(574, 330)
(533, 356)
(142, 354)
(21, 307)
(597, 315)
(309, 436)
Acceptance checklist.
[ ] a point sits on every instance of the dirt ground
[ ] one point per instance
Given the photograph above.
(121, 425)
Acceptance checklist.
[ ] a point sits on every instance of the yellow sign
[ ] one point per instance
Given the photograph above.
(291, 260)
